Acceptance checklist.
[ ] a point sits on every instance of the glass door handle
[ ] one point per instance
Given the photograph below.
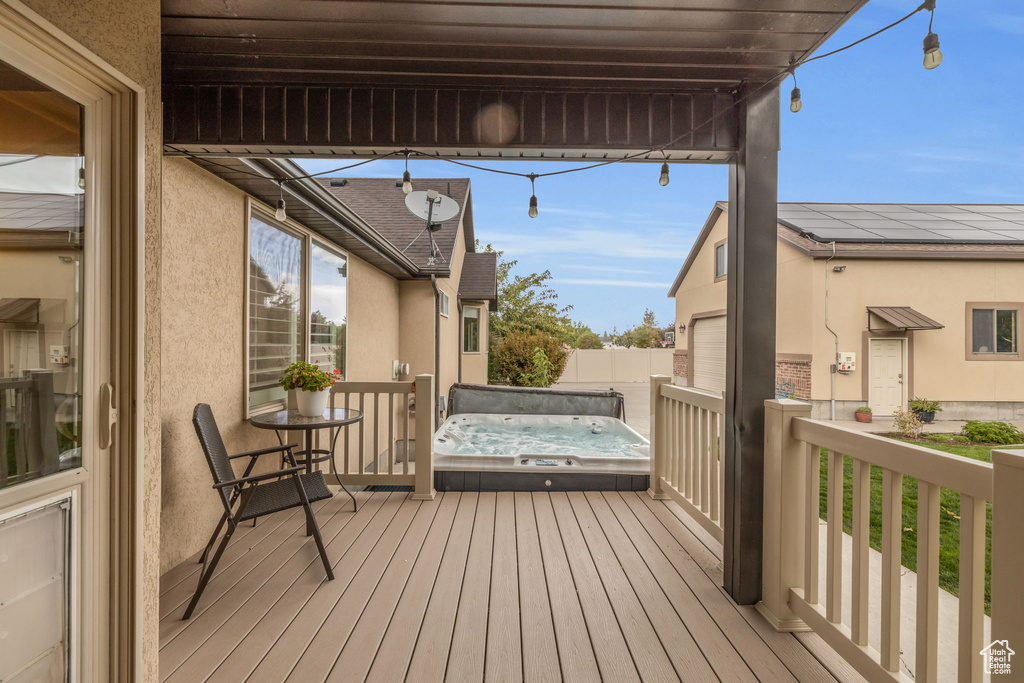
(108, 415)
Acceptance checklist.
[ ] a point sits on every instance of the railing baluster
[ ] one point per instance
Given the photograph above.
(892, 551)
(927, 582)
(405, 452)
(713, 465)
(704, 460)
(361, 446)
(972, 588)
(861, 531)
(391, 433)
(834, 563)
(678, 438)
(719, 450)
(812, 515)
(375, 454)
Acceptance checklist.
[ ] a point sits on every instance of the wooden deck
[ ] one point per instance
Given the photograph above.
(467, 587)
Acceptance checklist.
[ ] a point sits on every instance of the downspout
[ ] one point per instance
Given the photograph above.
(835, 359)
(437, 342)
(461, 347)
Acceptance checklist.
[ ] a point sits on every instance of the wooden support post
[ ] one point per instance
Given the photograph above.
(659, 437)
(425, 410)
(785, 493)
(1008, 552)
(750, 336)
(44, 449)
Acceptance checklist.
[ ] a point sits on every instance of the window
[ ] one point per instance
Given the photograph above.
(471, 329)
(444, 304)
(994, 331)
(297, 305)
(721, 260)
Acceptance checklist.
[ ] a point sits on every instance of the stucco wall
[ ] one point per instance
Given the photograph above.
(203, 355)
(126, 34)
(699, 293)
(937, 288)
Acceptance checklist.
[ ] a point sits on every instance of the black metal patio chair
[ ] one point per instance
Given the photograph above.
(258, 494)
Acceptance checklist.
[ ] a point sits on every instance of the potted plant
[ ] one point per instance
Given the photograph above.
(925, 409)
(310, 385)
(863, 414)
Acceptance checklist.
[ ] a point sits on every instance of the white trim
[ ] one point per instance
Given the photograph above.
(445, 303)
(480, 330)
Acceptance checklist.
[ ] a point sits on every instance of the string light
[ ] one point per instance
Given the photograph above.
(932, 53)
(932, 58)
(533, 196)
(406, 178)
(280, 214)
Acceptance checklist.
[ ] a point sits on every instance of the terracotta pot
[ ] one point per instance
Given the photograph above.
(862, 416)
(311, 403)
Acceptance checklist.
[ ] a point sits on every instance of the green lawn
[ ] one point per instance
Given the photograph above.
(949, 515)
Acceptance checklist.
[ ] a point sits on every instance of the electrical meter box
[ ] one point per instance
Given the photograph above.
(59, 355)
(847, 361)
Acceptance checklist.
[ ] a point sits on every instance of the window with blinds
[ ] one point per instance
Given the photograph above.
(276, 331)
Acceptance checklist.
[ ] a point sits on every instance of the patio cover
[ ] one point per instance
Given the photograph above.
(903, 318)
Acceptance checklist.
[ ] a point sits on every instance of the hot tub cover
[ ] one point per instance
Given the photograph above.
(484, 398)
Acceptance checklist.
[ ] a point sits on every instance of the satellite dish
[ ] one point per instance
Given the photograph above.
(432, 206)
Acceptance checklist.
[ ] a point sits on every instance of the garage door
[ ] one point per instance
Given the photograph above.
(709, 353)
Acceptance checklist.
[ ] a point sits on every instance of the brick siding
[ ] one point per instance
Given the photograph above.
(679, 363)
(793, 378)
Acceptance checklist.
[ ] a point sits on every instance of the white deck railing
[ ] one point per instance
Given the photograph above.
(686, 447)
(791, 599)
(383, 449)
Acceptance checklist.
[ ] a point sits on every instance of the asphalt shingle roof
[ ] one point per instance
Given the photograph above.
(479, 280)
(381, 203)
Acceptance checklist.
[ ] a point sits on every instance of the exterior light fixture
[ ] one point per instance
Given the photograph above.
(533, 196)
(663, 180)
(795, 104)
(406, 178)
(81, 178)
(682, 327)
(838, 269)
(280, 214)
(932, 53)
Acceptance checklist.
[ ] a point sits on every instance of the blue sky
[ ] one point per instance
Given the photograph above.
(875, 127)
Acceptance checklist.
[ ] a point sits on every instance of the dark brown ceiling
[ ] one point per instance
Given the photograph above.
(330, 77)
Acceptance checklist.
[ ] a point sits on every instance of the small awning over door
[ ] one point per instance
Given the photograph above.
(901, 318)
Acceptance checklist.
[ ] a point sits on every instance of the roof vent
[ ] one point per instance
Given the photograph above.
(339, 182)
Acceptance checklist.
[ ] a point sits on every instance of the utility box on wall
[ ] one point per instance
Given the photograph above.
(847, 362)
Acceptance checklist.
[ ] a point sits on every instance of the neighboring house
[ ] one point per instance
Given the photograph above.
(925, 300)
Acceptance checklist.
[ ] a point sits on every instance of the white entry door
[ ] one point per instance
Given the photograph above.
(886, 379)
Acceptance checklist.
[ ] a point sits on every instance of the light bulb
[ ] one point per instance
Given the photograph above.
(663, 180)
(280, 213)
(932, 54)
(406, 183)
(533, 206)
(795, 104)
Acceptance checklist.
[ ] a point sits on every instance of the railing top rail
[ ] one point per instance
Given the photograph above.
(15, 383)
(372, 387)
(694, 397)
(954, 472)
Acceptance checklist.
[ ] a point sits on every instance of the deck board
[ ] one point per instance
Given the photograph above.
(476, 586)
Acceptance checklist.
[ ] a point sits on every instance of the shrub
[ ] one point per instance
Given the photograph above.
(992, 432)
(959, 438)
(864, 409)
(516, 359)
(908, 423)
(923, 405)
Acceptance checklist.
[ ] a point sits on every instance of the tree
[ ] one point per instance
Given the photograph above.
(528, 359)
(646, 335)
(589, 340)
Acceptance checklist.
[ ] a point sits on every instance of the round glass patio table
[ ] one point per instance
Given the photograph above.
(334, 419)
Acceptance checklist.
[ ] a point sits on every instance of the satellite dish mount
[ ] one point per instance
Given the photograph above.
(434, 208)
